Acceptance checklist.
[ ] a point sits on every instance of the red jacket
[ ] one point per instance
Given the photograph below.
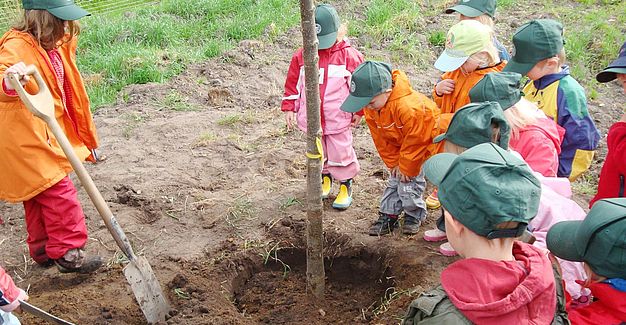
(505, 292)
(336, 66)
(9, 293)
(608, 307)
(612, 177)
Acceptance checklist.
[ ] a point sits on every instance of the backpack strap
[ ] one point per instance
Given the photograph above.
(560, 313)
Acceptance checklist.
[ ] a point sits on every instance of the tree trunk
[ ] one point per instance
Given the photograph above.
(314, 254)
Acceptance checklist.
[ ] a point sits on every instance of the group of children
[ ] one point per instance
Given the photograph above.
(501, 155)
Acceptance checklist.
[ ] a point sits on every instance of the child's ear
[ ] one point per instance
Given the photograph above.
(452, 224)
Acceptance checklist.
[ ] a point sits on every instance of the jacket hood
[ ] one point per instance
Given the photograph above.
(15, 34)
(547, 80)
(550, 129)
(401, 85)
(489, 292)
(338, 46)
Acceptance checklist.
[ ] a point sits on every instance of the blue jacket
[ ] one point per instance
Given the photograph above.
(563, 99)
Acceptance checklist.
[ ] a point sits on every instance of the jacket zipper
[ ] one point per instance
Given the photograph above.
(621, 186)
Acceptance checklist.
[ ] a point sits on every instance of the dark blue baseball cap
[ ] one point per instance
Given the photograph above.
(617, 66)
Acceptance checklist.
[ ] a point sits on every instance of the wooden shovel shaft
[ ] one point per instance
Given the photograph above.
(47, 114)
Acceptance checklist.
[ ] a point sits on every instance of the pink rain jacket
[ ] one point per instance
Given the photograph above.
(540, 146)
(9, 293)
(336, 66)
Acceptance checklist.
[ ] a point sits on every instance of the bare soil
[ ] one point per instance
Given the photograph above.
(210, 187)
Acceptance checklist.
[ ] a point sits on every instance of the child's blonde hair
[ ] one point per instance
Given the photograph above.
(520, 115)
(484, 19)
(48, 30)
(342, 32)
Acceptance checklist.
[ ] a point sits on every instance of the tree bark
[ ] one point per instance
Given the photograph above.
(315, 244)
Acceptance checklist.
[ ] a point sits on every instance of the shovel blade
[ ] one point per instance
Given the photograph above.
(147, 290)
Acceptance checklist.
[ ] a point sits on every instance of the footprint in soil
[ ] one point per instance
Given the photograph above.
(128, 196)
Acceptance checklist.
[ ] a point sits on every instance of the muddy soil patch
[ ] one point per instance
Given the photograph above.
(276, 292)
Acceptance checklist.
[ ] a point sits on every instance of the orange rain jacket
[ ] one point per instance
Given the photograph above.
(403, 130)
(31, 160)
(450, 103)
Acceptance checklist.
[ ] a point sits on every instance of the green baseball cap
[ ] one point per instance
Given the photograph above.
(471, 125)
(465, 38)
(617, 66)
(501, 87)
(599, 240)
(484, 187)
(62, 9)
(474, 8)
(369, 79)
(536, 40)
(326, 25)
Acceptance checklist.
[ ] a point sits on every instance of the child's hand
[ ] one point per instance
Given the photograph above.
(444, 87)
(356, 119)
(403, 178)
(290, 119)
(20, 69)
(394, 171)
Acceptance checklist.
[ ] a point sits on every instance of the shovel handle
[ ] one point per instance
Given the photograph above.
(39, 103)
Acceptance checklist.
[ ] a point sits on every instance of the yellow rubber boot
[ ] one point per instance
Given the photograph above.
(432, 201)
(327, 185)
(344, 198)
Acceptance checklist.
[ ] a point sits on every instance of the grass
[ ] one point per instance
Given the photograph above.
(233, 119)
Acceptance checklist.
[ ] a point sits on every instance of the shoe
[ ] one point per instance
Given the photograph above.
(344, 198)
(434, 235)
(327, 185)
(446, 250)
(411, 225)
(74, 261)
(432, 201)
(385, 224)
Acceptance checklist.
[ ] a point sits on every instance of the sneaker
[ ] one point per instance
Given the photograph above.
(385, 224)
(327, 185)
(446, 250)
(434, 235)
(344, 198)
(74, 261)
(432, 201)
(411, 225)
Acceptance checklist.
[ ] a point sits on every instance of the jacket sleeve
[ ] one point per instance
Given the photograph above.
(10, 54)
(417, 127)
(291, 85)
(387, 151)
(433, 307)
(354, 59)
(9, 293)
(616, 142)
(581, 135)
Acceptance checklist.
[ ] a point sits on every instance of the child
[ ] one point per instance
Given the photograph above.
(484, 11)
(533, 135)
(10, 295)
(600, 242)
(484, 122)
(489, 196)
(337, 61)
(613, 175)
(540, 56)
(33, 168)
(468, 57)
(403, 123)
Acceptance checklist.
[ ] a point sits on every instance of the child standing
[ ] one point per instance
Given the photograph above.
(540, 55)
(10, 296)
(484, 11)
(403, 123)
(533, 135)
(489, 196)
(33, 168)
(337, 61)
(613, 175)
(468, 57)
(600, 242)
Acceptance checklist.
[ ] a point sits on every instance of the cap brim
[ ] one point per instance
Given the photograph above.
(70, 12)
(447, 63)
(521, 68)
(465, 11)
(436, 168)
(610, 74)
(353, 104)
(327, 41)
(561, 240)
(439, 138)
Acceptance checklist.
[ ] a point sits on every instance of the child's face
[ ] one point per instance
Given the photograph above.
(622, 79)
(379, 101)
(453, 236)
(542, 68)
(470, 65)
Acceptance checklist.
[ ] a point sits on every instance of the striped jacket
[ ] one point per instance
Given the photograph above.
(563, 99)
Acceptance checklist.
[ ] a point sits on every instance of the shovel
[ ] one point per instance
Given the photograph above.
(43, 314)
(138, 272)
